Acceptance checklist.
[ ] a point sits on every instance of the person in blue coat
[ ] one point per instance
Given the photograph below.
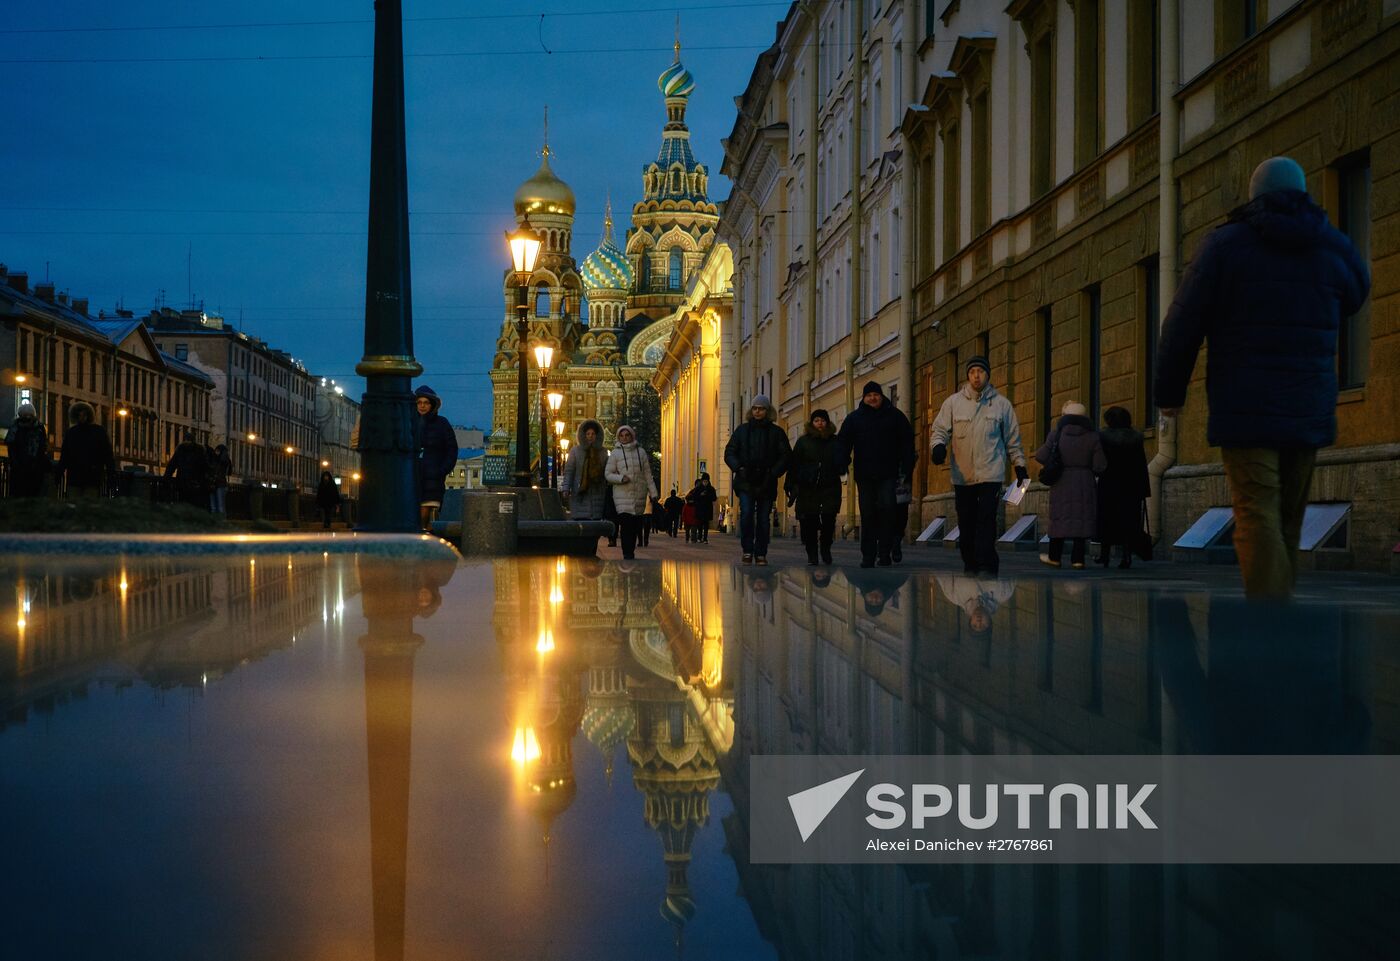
(1267, 291)
(437, 454)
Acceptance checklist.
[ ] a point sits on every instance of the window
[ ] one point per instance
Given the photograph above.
(1045, 348)
(1150, 284)
(1088, 81)
(1042, 115)
(542, 301)
(951, 158)
(1236, 21)
(644, 271)
(930, 16)
(182, 351)
(1144, 61)
(1353, 179)
(1093, 324)
(673, 275)
(981, 162)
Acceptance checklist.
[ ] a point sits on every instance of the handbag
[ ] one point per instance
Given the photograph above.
(903, 493)
(1142, 540)
(1054, 469)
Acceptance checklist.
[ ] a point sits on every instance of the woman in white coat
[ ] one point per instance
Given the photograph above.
(629, 473)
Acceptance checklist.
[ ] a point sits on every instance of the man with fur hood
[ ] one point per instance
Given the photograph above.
(582, 483)
(629, 472)
(1267, 291)
(878, 440)
(87, 453)
(814, 484)
(757, 453)
(437, 454)
(985, 435)
(27, 449)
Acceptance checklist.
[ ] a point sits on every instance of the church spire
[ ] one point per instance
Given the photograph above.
(544, 151)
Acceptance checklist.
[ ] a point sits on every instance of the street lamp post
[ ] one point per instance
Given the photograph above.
(388, 501)
(556, 400)
(524, 249)
(544, 354)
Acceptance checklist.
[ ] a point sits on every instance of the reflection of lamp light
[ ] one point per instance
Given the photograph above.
(546, 642)
(526, 747)
(556, 596)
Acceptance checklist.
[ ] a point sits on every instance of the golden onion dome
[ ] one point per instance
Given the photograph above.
(544, 193)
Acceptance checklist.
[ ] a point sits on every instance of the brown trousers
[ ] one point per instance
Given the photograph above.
(1269, 491)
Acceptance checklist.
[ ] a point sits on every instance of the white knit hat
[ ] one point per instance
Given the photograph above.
(1074, 408)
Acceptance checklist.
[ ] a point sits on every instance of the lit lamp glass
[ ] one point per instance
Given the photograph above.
(122, 412)
(524, 248)
(544, 355)
(556, 400)
(564, 444)
(289, 450)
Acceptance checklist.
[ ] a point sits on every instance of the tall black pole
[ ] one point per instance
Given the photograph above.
(388, 491)
(544, 429)
(522, 389)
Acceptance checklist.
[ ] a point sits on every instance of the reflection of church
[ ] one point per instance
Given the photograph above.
(608, 318)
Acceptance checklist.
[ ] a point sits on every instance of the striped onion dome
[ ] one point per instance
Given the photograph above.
(675, 80)
(608, 725)
(607, 268)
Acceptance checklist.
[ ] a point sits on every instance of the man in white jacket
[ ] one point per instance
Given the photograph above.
(981, 425)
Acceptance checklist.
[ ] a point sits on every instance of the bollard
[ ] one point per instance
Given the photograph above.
(490, 522)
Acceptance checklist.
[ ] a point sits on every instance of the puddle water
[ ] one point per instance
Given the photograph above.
(340, 757)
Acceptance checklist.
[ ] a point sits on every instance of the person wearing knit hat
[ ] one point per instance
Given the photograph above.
(628, 470)
(1076, 447)
(27, 449)
(878, 441)
(758, 452)
(1267, 292)
(981, 427)
(813, 485)
(437, 454)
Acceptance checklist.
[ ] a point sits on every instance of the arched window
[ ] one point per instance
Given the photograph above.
(542, 301)
(673, 278)
(644, 271)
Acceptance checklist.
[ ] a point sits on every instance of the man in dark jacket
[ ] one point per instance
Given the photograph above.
(87, 453)
(27, 447)
(880, 440)
(437, 454)
(673, 505)
(1268, 291)
(189, 469)
(757, 453)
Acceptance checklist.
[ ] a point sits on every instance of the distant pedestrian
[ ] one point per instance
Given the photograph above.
(674, 505)
(220, 466)
(582, 483)
(700, 502)
(86, 457)
(1124, 487)
(757, 453)
(629, 473)
(27, 447)
(1267, 292)
(814, 485)
(327, 499)
(878, 441)
(1074, 445)
(189, 469)
(985, 435)
(437, 455)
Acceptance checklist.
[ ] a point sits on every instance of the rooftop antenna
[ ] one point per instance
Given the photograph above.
(189, 273)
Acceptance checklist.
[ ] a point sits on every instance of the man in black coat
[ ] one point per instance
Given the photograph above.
(674, 505)
(189, 469)
(880, 440)
(437, 454)
(757, 453)
(1268, 291)
(86, 455)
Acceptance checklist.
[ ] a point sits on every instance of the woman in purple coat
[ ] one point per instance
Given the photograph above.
(1074, 499)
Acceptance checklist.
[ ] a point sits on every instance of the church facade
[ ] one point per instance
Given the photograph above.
(609, 317)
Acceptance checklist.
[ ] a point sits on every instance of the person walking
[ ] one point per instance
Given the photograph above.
(1123, 488)
(1074, 445)
(86, 456)
(813, 485)
(757, 453)
(189, 469)
(437, 454)
(629, 472)
(673, 507)
(878, 440)
(701, 499)
(1267, 292)
(979, 598)
(985, 435)
(327, 498)
(220, 466)
(582, 484)
(27, 449)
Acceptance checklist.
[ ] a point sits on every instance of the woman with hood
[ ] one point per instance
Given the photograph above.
(1123, 488)
(629, 472)
(814, 483)
(87, 452)
(1074, 497)
(327, 498)
(582, 484)
(27, 447)
(701, 499)
(437, 454)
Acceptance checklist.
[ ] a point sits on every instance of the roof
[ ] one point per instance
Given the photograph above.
(189, 370)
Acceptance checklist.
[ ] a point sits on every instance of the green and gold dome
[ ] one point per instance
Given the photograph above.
(607, 268)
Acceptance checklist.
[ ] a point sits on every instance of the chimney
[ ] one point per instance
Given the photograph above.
(44, 291)
(63, 298)
(80, 305)
(19, 280)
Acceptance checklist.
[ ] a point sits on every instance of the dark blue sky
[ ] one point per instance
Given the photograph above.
(161, 141)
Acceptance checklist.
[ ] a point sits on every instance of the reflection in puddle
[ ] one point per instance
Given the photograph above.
(360, 758)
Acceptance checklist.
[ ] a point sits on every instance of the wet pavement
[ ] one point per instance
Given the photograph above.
(351, 757)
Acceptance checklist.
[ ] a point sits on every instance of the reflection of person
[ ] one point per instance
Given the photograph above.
(877, 588)
(629, 472)
(27, 447)
(985, 435)
(581, 484)
(86, 456)
(1074, 495)
(757, 453)
(1123, 487)
(878, 441)
(979, 597)
(1267, 292)
(814, 483)
(327, 498)
(437, 454)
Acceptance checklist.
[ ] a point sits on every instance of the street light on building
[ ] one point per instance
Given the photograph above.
(524, 246)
